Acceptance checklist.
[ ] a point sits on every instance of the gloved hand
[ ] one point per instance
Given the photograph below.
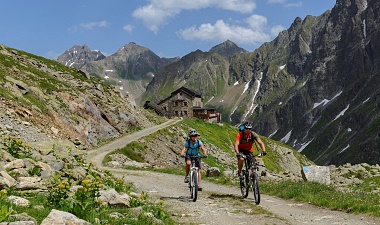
(182, 156)
(264, 153)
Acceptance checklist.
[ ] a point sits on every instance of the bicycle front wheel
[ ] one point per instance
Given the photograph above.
(244, 185)
(256, 187)
(194, 186)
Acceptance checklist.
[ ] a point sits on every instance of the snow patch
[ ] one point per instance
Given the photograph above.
(210, 100)
(273, 134)
(366, 100)
(246, 86)
(106, 77)
(325, 101)
(236, 83)
(342, 113)
(252, 107)
(287, 137)
(109, 70)
(232, 112)
(282, 67)
(304, 146)
(349, 129)
(344, 149)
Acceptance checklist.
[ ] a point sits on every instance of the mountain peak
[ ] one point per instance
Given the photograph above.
(78, 55)
(227, 49)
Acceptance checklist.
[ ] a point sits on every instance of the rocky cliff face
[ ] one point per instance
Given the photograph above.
(314, 87)
(42, 101)
(326, 103)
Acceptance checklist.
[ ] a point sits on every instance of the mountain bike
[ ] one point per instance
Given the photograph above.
(250, 177)
(193, 183)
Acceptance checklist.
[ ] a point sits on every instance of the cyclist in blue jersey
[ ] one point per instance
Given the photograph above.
(191, 148)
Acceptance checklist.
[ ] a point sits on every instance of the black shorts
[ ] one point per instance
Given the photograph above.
(197, 161)
(248, 154)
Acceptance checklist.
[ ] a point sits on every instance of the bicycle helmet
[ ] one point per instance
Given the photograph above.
(248, 125)
(194, 132)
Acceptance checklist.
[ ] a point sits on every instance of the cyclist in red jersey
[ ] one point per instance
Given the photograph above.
(244, 145)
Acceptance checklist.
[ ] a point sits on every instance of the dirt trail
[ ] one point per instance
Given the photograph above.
(219, 204)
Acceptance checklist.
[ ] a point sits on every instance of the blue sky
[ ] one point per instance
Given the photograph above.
(169, 28)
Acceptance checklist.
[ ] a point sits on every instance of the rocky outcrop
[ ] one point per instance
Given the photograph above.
(48, 102)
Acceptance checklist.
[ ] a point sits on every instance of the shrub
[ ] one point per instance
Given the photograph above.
(16, 147)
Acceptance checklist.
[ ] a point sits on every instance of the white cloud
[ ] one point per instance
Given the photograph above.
(128, 28)
(276, 1)
(222, 31)
(92, 25)
(257, 22)
(158, 12)
(285, 3)
(293, 4)
(276, 30)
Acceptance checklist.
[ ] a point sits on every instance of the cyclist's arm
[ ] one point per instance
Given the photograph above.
(203, 150)
(261, 143)
(237, 142)
(183, 150)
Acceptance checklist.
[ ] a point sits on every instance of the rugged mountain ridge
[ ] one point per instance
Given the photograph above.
(131, 68)
(313, 87)
(79, 56)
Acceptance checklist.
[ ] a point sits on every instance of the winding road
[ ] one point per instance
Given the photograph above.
(219, 204)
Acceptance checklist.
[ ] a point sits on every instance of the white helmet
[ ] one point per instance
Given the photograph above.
(194, 132)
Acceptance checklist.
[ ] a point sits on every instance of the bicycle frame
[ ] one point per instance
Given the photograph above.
(193, 183)
(251, 178)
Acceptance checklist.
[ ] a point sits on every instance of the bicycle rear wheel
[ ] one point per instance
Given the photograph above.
(256, 187)
(194, 186)
(244, 185)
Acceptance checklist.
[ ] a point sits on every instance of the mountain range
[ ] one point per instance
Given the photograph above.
(314, 87)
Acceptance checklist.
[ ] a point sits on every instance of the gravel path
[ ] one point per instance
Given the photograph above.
(219, 204)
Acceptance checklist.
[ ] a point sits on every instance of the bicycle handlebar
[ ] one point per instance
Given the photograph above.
(194, 156)
(245, 156)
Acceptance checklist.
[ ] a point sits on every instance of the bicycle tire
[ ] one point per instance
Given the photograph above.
(194, 186)
(244, 185)
(256, 187)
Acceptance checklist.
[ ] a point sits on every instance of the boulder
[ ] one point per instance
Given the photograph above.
(319, 174)
(112, 197)
(59, 217)
(213, 172)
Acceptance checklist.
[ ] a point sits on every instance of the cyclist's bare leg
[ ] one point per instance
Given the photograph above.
(240, 164)
(188, 164)
(199, 177)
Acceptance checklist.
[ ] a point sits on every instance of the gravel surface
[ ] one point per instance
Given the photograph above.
(219, 204)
